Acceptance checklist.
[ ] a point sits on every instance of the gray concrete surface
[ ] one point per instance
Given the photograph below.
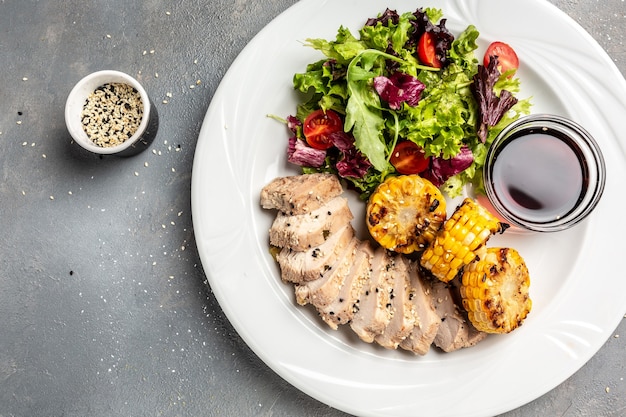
(104, 308)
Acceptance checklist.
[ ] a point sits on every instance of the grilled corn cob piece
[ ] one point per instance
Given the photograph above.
(469, 228)
(494, 290)
(404, 213)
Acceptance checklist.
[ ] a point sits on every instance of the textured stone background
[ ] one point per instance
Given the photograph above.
(104, 309)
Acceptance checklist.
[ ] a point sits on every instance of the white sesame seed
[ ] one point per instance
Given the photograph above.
(136, 174)
(168, 94)
(19, 122)
(43, 156)
(108, 36)
(51, 197)
(156, 75)
(144, 52)
(151, 51)
(145, 164)
(24, 143)
(165, 101)
(24, 78)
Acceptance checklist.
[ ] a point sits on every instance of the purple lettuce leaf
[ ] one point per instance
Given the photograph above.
(299, 153)
(441, 169)
(399, 88)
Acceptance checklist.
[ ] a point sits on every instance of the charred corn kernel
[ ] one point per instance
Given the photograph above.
(404, 213)
(495, 290)
(469, 228)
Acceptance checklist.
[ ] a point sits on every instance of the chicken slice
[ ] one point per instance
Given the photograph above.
(427, 324)
(403, 313)
(299, 267)
(303, 231)
(323, 291)
(300, 194)
(373, 310)
(341, 310)
(455, 331)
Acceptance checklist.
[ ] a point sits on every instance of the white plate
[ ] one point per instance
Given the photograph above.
(578, 289)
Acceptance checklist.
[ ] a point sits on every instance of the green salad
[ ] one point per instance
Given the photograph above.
(404, 97)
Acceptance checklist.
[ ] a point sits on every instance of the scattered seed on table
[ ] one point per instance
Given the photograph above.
(112, 114)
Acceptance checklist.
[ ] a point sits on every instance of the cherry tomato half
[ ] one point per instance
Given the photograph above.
(319, 125)
(426, 51)
(408, 158)
(507, 58)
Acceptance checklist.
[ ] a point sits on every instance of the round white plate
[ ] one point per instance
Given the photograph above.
(577, 286)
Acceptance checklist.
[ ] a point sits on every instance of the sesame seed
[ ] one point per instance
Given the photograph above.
(111, 114)
(24, 78)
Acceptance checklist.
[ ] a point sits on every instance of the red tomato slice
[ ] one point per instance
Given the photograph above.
(319, 125)
(426, 51)
(507, 58)
(408, 158)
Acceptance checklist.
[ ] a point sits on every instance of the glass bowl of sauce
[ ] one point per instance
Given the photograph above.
(544, 173)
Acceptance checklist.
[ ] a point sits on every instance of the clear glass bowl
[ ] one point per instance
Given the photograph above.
(544, 173)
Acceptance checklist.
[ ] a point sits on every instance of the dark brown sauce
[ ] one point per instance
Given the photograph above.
(539, 175)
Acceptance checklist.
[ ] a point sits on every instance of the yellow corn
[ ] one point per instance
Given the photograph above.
(404, 213)
(494, 290)
(469, 228)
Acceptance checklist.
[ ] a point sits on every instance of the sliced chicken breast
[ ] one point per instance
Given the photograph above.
(427, 324)
(302, 266)
(303, 231)
(341, 310)
(300, 194)
(373, 310)
(403, 314)
(323, 291)
(455, 332)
